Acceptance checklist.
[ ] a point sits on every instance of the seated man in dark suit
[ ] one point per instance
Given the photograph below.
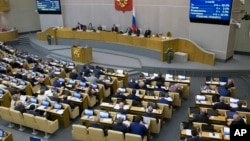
(162, 99)
(73, 74)
(202, 117)
(147, 33)
(96, 124)
(159, 87)
(119, 126)
(66, 101)
(150, 113)
(121, 108)
(114, 28)
(57, 83)
(86, 71)
(133, 84)
(37, 68)
(237, 120)
(240, 108)
(159, 78)
(128, 30)
(195, 136)
(133, 96)
(229, 84)
(79, 26)
(99, 28)
(119, 95)
(221, 105)
(137, 127)
(80, 77)
(137, 32)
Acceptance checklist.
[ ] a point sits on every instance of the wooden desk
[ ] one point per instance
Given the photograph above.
(123, 77)
(8, 35)
(153, 43)
(63, 118)
(206, 135)
(9, 137)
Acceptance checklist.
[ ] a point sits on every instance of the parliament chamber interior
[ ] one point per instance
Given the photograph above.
(113, 71)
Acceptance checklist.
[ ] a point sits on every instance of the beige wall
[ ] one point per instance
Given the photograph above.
(242, 42)
(22, 15)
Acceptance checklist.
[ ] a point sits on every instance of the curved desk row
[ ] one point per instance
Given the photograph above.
(8, 35)
(195, 53)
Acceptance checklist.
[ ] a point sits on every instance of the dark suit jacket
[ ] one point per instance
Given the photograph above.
(221, 105)
(240, 122)
(200, 118)
(120, 127)
(240, 109)
(134, 97)
(137, 32)
(71, 104)
(99, 28)
(97, 125)
(151, 115)
(122, 111)
(33, 112)
(73, 75)
(120, 96)
(163, 100)
(147, 33)
(114, 29)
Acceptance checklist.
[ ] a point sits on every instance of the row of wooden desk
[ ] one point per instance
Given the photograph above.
(154, 43)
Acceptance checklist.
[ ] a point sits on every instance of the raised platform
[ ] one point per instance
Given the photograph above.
(140, 59)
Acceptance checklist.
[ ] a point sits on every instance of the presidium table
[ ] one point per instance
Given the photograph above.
(8, 35)
(159, 44)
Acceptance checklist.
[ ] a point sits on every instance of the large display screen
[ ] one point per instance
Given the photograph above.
(48, 6)
(210, 11)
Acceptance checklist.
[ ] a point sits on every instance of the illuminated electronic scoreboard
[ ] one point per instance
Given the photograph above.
(210, 11)
(48, 6)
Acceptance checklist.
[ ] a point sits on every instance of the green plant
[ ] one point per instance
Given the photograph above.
(169, 53)
(48, 36)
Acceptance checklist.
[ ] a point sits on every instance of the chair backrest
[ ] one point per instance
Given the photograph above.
(115, 135)
(79, 132)
(154, 126)
(132, 137)
(96, 134)
(167, 110)
(79, 128)
(42, 123)
(5, 113)
(29, 120)
(16, 116)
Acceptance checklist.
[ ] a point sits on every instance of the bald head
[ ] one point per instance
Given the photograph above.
(150, 109)
(221, 99)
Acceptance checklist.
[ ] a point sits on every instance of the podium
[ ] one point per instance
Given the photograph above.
(81, 54)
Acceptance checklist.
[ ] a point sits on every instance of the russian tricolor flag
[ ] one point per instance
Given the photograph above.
(133, 21)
